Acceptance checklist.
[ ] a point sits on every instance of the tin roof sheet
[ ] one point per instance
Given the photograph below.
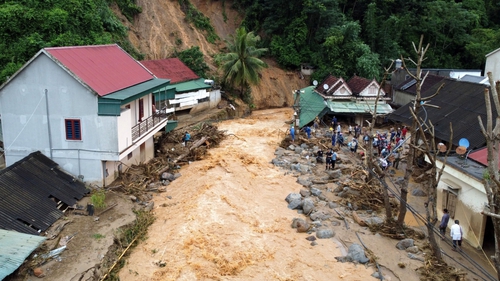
(104, 68)
(313, 104)
(30, 190)
(16, 247)
(172, 68)
(460, 104)
(189, 86)
(138, 90)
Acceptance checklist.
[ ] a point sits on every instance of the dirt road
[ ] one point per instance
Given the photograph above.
(228, 220)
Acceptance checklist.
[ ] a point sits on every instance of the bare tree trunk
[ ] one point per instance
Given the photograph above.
(418, 132)
(372, 166)
(492, 181)
(410, 158)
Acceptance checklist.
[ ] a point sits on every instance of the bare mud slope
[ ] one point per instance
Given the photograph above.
(161, 30)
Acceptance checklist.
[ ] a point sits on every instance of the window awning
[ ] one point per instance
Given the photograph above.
(352, 107)
(134, 92)
(109, 105)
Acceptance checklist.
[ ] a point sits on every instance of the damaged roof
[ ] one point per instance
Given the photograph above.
(16, 247)
(460, 104)
(30, 192)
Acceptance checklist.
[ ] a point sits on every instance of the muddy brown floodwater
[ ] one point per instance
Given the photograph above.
(227, 219)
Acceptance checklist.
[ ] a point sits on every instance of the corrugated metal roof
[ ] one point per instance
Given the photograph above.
(313, 104)
(138, 90)
(189, 86)
(481, 156)
(173, 69)
(460, 103)
(104, 68)
(409, 85)
(16, 247)
(30, 190)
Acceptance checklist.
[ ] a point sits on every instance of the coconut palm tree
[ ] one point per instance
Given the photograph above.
(241, 65)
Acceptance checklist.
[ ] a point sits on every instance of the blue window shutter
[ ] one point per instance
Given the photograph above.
(73, 129)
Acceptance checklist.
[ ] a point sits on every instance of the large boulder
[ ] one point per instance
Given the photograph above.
(320, 216)
(295, 204)
(405, 243)
(324, 233)
(374, 221)
(293, 196)
(307, 205)
(315, 191)
(304, 180)
(305, 193)
(296, 221)
(355, 253)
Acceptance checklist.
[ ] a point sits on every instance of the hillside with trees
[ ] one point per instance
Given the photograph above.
(336, 36)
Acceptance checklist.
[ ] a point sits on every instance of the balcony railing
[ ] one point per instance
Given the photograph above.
(145, 126)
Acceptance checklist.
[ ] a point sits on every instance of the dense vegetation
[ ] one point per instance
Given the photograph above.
(341, 37)
(26, 26)
(344, 37)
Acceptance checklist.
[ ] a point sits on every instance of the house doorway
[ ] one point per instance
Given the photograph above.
(489, 237)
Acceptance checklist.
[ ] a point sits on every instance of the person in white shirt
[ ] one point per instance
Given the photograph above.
(456, 234)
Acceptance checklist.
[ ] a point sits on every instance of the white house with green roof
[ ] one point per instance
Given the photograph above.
(354, 99)
(187, 92)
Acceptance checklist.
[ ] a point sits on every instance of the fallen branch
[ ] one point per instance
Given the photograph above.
(107, 209)
(119, 258)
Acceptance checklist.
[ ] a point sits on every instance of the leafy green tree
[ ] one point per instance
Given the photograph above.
(483, 41)
(241, 65)
(193, 58)
(26, 26)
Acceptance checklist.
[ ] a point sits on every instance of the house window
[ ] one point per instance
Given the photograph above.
(450, 197)
(373, 90)
(129, 156)
(73, 129)
(141, 109)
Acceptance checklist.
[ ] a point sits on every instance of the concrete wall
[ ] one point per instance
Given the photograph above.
(493, 65)
(25, 106)
(471, 199)
(402, 98)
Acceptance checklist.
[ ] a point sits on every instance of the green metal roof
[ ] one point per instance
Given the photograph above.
(16, 247)
(189, 86)
(109, 105)
(312, 105)
(132, 93)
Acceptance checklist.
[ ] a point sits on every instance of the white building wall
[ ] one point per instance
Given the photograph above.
(23, 105)
(124, 128)
(493, 65)
(471, 199)
(215, 98)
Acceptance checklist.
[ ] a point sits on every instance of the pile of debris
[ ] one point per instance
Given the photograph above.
(171, 154)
